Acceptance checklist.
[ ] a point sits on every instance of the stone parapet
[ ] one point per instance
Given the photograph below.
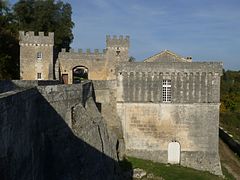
(80, 54)
(116, 41)
(33, 39)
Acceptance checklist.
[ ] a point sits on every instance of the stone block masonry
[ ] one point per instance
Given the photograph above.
(36, 56)
(190, 82)
(163, 108)
(55, 132)
(190, 118)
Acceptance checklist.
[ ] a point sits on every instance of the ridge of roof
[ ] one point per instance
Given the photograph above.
(169, 52)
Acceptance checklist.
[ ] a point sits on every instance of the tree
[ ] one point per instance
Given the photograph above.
(131, 59)
(9, 50)
(31, 15)
(47, 16)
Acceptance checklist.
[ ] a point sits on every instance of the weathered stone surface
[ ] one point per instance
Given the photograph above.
(30, 64)
(38, 142)
(132, 103)
(191, 118)
(139, 173)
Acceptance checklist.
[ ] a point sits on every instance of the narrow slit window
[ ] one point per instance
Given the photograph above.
(166, 91)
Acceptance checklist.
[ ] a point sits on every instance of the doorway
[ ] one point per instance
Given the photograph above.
(80, 73)
(65, 78)
(174, 153)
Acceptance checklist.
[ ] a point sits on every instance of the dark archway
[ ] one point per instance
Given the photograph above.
(79, 73)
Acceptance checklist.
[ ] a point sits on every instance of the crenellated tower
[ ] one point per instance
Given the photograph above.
(36, 55)
(117, 48)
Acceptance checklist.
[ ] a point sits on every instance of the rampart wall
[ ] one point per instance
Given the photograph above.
(105, 92)
(54, 132)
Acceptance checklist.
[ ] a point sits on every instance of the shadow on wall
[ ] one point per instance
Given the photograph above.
(38, 144)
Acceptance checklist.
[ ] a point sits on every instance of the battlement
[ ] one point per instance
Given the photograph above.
(80, 54)
(116, 41)
(87, 52)
(36, 39)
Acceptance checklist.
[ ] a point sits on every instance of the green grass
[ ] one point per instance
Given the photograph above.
(166, 171)
(227, 175)
(230, 121)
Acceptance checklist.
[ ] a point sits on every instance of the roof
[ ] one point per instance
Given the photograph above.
(167, 56)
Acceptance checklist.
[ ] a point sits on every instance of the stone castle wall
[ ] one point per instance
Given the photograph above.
(95, 62)
(190, 82)
(105, 92)
(129, 96)
(100, 65)
(55, 132)
(191, 118)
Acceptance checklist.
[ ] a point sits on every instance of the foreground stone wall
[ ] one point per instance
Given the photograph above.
(105, 94)
(13, 85)
(55, 132)
(22, 140)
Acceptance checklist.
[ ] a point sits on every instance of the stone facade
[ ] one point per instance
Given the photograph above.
(163, 108)
(190, 119)
(36, 56)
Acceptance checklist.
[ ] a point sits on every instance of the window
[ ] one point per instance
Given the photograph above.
(166, 91)
(39, 55)
(118, 51)
(39, 75)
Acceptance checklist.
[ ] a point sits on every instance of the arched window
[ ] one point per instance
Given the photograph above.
(79, 73)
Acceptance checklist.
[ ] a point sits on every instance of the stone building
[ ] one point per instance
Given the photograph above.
(165, 108)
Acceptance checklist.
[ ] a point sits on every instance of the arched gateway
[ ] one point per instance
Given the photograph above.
(79, 73)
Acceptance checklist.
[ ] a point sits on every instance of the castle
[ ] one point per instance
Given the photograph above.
(165, 108)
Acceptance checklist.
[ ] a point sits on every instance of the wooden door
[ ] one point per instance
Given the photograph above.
(65, 78)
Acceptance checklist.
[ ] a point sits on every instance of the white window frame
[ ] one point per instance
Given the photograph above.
(39, 55)
(167, 91)
(39, 75)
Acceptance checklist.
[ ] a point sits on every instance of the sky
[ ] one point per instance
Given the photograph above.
(206, 30)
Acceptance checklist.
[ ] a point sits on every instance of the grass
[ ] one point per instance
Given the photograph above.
(227, 175)
(168, 172)
(230, 121)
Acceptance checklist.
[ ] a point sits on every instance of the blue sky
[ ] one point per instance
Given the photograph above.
(207, 30)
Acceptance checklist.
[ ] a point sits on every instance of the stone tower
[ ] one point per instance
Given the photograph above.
(36, 55)
(117, 48)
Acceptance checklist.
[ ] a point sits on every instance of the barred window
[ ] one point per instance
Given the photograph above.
(166, 91)
(39, 75)
(39, 55)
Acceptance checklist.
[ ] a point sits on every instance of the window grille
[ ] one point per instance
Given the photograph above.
(39, 75)
(166, 91)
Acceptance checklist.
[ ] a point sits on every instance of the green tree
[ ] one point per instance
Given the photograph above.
(131, 59)
(230, 90)
(9, 50)
(31, 15)
(47, 16)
